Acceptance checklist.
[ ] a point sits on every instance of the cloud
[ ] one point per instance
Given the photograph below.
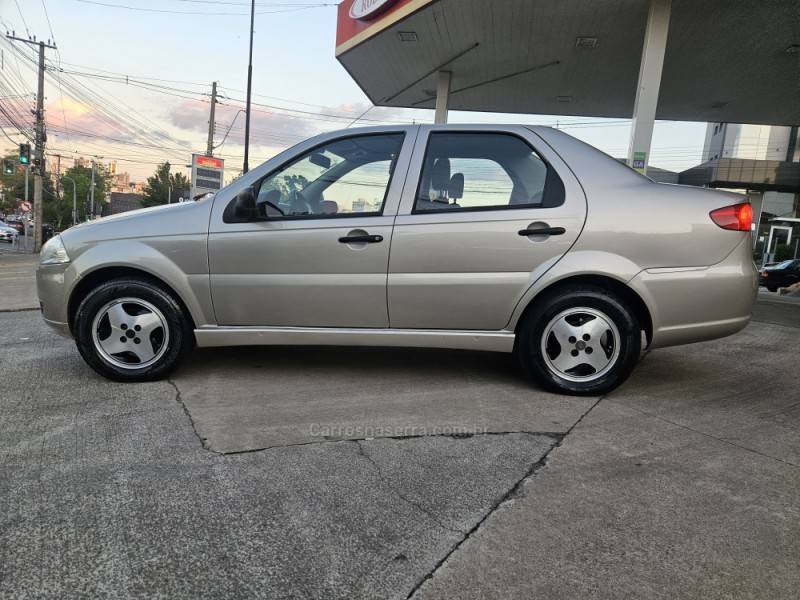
(76, 117)
(268, 128)
(276, 128)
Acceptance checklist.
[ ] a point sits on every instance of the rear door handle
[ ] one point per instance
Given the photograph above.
(542, 231)
(361, 239)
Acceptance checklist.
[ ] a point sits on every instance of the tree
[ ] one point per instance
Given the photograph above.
(157, 190)
(13, 186)
(58, 211)
(13, 189)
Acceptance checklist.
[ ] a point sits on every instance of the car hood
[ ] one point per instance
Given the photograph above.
(166, 220)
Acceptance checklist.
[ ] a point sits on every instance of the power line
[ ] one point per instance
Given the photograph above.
(23, 18)
(285, 9)
(49, 24)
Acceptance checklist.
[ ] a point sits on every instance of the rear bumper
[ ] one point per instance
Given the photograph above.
(694, 304)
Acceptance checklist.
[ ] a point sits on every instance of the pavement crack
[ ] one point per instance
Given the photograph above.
(182, 404)
(456, 436)
(362, 452)
(708, 435)
(512, 493)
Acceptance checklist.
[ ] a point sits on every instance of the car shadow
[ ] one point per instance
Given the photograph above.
(361, 362)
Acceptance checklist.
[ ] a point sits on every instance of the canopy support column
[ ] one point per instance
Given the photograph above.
(442, 97)
(644, 109)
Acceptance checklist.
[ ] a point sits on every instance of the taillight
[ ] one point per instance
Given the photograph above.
(738, 217)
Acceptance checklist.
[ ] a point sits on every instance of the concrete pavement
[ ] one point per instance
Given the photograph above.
(300, 395)
(17, 281)
(681, 484)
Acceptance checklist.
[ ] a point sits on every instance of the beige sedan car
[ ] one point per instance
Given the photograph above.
(494, 238)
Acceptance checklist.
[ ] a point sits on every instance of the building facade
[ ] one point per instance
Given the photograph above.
(764, 162)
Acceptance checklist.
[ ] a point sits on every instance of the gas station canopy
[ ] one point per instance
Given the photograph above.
(724, 60)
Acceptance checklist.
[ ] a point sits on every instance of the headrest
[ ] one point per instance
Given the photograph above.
(456, 188)
(329, 207)
(440, 175)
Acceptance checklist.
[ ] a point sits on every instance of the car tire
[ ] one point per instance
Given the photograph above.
(132, 330)
(772, 289)
(581, 340)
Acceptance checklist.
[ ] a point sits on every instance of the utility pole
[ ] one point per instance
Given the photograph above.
(58, 174)
(210, 147)
(91, 191)
(24, 224)
(246, 166)
(40, 139)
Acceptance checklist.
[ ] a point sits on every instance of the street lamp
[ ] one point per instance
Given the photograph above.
(74, 200)
(246, 165)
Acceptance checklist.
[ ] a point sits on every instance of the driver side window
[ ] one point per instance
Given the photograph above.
(346, 177)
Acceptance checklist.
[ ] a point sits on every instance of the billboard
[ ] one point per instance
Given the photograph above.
(359, 20)
(207, 174)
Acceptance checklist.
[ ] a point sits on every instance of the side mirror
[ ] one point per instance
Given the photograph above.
(244, 207)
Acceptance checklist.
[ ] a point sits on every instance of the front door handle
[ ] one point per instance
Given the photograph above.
(361, 239)
(542, 231)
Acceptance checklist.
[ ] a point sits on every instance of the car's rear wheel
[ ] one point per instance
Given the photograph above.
(581, 340)
(132, 330)
(772, 289)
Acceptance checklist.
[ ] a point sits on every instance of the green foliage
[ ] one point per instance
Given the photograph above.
(58, 211)
(56, 208)
(13, 186)
(290, 184)
(157, 190)
(784, 252)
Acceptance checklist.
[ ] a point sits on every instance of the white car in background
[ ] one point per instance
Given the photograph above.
(7, 233)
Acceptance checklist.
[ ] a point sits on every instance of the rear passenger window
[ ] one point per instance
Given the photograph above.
(484, 171)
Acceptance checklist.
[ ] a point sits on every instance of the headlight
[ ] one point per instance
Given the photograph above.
(53, 252)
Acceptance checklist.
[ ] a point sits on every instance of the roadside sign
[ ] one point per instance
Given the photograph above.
(640, 161)
(207, 174)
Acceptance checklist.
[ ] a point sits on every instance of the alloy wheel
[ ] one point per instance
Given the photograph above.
(580, 344)
(130, 333)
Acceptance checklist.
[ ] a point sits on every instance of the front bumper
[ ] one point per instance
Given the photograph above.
(694, 304)
(52, 291)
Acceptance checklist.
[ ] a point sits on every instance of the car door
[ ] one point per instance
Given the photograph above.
(793, 273)
(316, 254)
(486, 210)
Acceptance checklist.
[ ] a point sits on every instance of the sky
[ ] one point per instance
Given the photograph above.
(133, 84)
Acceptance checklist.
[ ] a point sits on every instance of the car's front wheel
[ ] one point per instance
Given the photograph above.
(582, 340)
(132, 330)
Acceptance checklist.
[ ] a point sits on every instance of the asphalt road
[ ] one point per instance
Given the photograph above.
(330, 473)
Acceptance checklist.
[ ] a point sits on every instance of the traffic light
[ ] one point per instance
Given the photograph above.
(8, 167)
(24, 154)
